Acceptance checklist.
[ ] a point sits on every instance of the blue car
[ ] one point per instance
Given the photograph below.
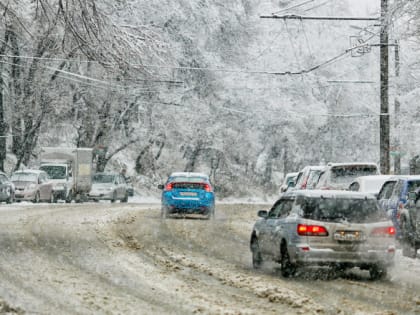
(394, 195)
(188, 193)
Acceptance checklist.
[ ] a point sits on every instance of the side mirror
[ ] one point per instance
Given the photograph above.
(262, 213)
(160, 186)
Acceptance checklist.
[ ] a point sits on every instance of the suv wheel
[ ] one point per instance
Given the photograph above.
(287, 268)
(257, 259)
(377, 272)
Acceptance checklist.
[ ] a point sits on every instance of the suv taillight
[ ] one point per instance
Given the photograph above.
(169, 186)
(383, 231)
(311, 230)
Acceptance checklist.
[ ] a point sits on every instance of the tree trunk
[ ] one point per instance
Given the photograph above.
(3, 125)
(192, 155)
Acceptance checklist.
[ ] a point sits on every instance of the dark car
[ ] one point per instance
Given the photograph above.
(340, 229)
(410, 225)
(394, 195)
(188, 193)
(7, 189)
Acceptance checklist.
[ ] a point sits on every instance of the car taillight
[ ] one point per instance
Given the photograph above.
(383, 231)
(207, 187)
(311, 230)
(169, 186)
(305, 182)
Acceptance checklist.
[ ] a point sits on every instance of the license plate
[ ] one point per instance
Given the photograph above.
(349, 236)
(188, 193)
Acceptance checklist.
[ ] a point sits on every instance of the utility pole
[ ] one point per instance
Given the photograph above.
(384, 112)
(397, 157)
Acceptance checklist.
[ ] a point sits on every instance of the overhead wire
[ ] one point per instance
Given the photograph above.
(67, 75)
(262, 72)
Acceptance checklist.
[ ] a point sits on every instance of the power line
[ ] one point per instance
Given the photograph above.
(355, 115)
(67, 75)
(262, 72)
(323, 18)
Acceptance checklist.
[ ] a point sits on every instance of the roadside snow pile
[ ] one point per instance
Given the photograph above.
(255, 284)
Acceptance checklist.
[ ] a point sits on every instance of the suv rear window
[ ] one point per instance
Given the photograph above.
(348, 172)
(343, 209)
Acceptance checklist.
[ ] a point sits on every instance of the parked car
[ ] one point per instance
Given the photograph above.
(394, 195)
(340, 175)
(308, 177)
(289, 181)
(370, 184)
(410, 225)
(7, 189)
(108, 186)
(341, 229)
(188, 193)
(32, 185)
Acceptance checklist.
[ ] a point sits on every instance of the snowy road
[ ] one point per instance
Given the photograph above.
(101, 258)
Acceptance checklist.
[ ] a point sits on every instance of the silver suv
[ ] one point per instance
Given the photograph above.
(340, 229)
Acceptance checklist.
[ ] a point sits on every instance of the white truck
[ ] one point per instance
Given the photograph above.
(71, 171)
